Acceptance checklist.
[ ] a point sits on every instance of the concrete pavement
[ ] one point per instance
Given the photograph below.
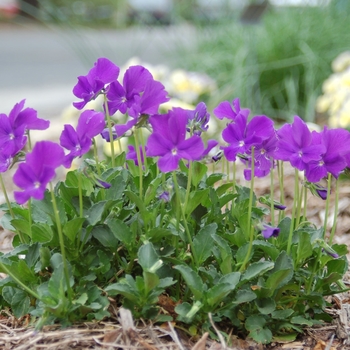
(41, 63)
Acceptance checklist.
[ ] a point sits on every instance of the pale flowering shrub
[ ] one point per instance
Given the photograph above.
(335, 101)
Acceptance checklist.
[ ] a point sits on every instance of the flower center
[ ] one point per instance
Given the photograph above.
(321, 163)
(174, 151)
(12, 136)
(36, 184)
(262, 151)
(300, 154)
(241, 143)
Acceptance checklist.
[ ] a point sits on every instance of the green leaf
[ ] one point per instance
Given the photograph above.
(146, 215)
(105, 236)
(214, 178)
(94, 214)
(244, 296)
(124, 288)
(72, 180)
(41, 233)
(217, 293)
(151, 282)
(21, 225)
(192, 279)
(147, 257)
(261, 335)
(158, 233)
(18, 299)
(256, 269)
(301, 320)
(282, 272)
(282, 314)
(73, 227)
(255, 325)
(266, 305)
(304, 249)
(196, 198)
(278, 279)
(152, 189)
(268, 248)
(120, 230)
(117, 188)
(203, 243)
(198, 171)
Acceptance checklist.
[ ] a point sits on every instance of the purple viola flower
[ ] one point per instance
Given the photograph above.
(263, 155)
(122, 97)
(296, 144)
(28, 117)
(37, 171)
(225, 110)
(148, 103)
(132, 155)
(241, 136)
(211, 144)
(78, 142)
(270, 231)
(164, 196)
(198, 119)
(12, 139)
(336, 144)
(5, 161)
(169, 142)
(90, 86)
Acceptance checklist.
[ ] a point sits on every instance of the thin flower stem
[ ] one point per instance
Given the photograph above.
(61, 241)
(305, 202)
(249, 224)
(109, 124)
(96, 157)
(327, 205)
(335, 212)
(295, 200)
(6, 197)
(189, 237)
(81, 212)
(21, 237)
(189, 181)
(272, 196)
(18, 281)
(280, 168)
(143, 151)
(139, 160)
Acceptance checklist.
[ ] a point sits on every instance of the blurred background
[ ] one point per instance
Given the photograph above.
(275, 55)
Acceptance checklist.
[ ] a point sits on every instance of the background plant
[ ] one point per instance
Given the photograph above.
(278, 65)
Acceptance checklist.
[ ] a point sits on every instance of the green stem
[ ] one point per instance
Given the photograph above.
(189, 237)
(144, 151)
(61, 242)
(249, 224)
(21, 237)
(139, 160)
(335, 212)
(81, 209)
(280, 168)
(189, 181)
(327, 204)
(96, 157)
(295, 200)
(272, 196)
(305, 202)
(109, 124)
(18, 281)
